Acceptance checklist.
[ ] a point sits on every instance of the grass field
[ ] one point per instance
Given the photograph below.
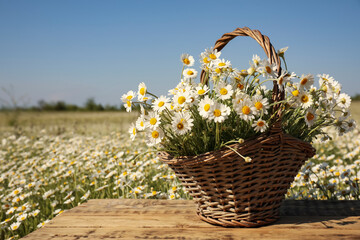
(52, 162)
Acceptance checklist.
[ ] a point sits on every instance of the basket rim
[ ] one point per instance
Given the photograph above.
(264, 137)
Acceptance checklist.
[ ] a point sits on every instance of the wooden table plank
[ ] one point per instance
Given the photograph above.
(164, 219)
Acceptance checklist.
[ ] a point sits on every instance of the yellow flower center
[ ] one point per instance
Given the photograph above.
(160, 104)
(258, 105)
(142, 123)
(246, 110)
(221, 64)
(180, 126)
(201, 91)
(190, 72)
(128, 103)
(304, 99)
(310, 116)
(207, 107)
(186, 61)
(324, 88)
(256, 61)
(181, 99)
(153, 121)
(343, 100)
(303, 81)
(155, 134)
(295, 93)
(142, 91)
(212, 56)
(268, 69)
(129, 97)
(218, 70)
(223, 91)
(260, 123)
(134, 131)
(15, 227)
(16, 191)
(206, 60)
(217, 113)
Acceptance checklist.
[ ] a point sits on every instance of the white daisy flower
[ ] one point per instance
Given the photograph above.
(40, 225)
(187, 60)
(189, 73)
(132, 131)
(219, 112)
(239, 97)
(220, 63)
(127, 99)
(284, 79)
(310, 117)
(204, 107)
(140, 123)
(306, 81)
(35, 212)
(204, 59)
(256, 60)
(142, 92)
(282, 51)
(261, 104)
(260, 125)
(267, 69)
(160, 103)
(343, 101)
(325, 79)
(182, 123)
(22, 217)
(224, 91)
(152, 120)
(181, 99)
(351, 125)
(212, 54)
(15, 226)
(305, 99)
(246, 110)
(154, 137)
(202, 89)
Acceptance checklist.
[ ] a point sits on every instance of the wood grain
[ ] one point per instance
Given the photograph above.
(163, 219)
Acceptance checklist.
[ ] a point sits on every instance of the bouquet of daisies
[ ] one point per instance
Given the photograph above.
(233, 105)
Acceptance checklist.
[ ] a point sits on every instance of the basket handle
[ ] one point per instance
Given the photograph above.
(270, 51)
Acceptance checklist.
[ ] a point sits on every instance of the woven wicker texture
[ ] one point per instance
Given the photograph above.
(231, 192)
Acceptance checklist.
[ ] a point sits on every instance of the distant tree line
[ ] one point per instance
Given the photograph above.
(356, 97)
(90, 105)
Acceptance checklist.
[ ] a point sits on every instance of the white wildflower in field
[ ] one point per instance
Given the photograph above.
(132, 131)
(15, 226)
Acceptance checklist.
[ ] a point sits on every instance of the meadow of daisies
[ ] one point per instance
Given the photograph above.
(45, 171)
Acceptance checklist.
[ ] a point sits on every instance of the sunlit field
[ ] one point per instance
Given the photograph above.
(51, 162)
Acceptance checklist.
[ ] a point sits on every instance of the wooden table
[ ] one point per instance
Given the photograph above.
(166, 219)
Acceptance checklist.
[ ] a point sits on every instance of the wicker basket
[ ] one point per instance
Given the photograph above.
(231, 192)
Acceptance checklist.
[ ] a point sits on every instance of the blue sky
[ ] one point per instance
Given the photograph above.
(72, 50)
